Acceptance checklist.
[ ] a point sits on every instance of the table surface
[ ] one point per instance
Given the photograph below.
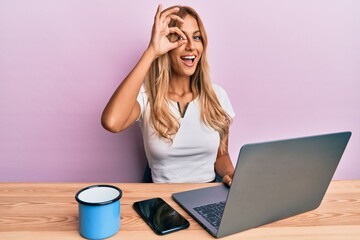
(50, 211)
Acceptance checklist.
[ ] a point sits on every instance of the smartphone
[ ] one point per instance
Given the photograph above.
(160, 216)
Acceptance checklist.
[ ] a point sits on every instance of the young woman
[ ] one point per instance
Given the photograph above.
(184, 118)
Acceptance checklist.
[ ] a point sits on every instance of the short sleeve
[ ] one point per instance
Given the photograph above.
(224, 100)
(142, 100)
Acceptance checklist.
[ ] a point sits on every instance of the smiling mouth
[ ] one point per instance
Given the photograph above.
(188, 60)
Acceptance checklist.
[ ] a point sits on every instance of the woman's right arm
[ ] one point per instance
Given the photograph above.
(122, 109)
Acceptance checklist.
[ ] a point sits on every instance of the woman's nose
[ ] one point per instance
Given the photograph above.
(190, 45)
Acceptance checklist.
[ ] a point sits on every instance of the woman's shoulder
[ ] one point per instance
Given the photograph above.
(219, 90)
(224, 99)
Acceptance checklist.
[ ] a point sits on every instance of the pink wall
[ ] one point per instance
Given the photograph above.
(291, 68)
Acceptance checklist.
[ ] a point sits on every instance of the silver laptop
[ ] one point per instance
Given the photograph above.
(272, 181)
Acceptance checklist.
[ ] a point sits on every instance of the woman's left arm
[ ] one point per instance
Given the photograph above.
(224, 166)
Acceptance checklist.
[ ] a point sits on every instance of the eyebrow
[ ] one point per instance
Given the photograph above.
(197, 31)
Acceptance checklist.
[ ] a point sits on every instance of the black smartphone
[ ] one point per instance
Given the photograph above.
(160, 216)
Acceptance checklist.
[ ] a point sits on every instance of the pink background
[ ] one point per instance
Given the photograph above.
(291, 68)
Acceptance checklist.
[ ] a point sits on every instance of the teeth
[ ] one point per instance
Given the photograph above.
(189, 57)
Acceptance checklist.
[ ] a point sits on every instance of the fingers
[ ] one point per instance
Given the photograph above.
(174, 17)
(168, 12)
(227, 180)
(175, 42)
(167, 15)
(160, 41)
(178, 44)
(158, 12)
(178, 32)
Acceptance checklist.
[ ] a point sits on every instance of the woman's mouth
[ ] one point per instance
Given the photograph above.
(188, 60)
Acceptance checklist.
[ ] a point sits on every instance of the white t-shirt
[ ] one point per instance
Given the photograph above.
(192, 154)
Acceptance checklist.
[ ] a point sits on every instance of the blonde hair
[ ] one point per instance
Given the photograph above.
(157, 86)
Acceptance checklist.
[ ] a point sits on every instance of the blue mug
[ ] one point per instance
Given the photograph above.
(99, 211)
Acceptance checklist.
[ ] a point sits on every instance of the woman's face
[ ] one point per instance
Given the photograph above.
(185, 58)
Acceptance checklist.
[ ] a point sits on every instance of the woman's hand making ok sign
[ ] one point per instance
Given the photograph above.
(159, 42)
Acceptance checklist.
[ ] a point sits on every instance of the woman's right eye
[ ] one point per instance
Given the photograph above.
(179, 38)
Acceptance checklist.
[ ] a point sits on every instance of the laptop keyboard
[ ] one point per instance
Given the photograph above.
(212, 212)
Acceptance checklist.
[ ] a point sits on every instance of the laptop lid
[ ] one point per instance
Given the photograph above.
(276, 180)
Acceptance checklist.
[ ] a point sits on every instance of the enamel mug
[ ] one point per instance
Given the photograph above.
(99, 211)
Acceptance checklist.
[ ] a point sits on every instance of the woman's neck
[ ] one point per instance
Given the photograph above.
(180, 90)
(179, 86)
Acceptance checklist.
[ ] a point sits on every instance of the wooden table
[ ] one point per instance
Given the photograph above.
(50, 211)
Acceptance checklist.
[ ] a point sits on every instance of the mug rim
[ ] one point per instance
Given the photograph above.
(98, 203)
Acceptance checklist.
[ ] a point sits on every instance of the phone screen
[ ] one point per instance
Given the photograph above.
(160, 216)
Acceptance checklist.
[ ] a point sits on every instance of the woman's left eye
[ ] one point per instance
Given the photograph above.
(198, 38)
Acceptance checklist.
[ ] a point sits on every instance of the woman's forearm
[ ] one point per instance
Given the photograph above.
(224, 166)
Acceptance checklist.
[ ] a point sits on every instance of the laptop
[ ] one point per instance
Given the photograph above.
(272, 181)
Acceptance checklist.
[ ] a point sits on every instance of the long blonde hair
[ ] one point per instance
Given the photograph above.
(157, 86)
